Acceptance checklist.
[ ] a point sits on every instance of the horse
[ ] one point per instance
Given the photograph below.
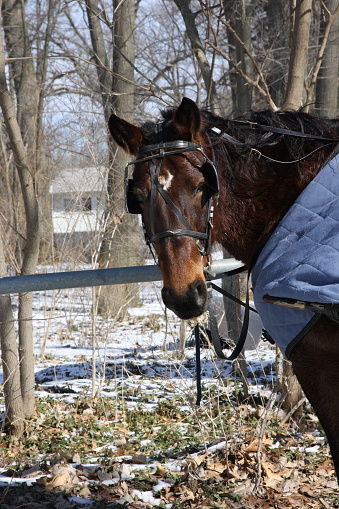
(199, 179)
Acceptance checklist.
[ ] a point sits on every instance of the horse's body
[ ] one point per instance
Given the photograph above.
(255, 192)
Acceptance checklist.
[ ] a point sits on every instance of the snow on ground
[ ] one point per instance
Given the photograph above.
(139, 351)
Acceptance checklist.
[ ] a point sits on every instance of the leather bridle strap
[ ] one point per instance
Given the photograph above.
(279, 130)
(173, 232)
(179, 146)
(177, 232)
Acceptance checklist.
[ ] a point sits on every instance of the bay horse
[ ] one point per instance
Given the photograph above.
(250, 171)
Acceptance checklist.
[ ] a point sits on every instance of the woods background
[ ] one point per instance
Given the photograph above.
(66, 65)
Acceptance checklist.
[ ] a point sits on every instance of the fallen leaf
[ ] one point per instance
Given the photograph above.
(161, 470)
(290, 485)
(116, 219)
(59, 480)
(139, 459)
(307, 491)
(269, 469)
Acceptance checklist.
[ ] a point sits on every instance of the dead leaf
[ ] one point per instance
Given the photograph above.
(253, 446)
(43, 480)
(117, 219)
(186, 495)
(139, 459)
(219, 467)
(161, 470)
(290, 485)
(84, 492)
(307, 491)
(199, 458)
(269, 469)
(59, 480)
(120, 442)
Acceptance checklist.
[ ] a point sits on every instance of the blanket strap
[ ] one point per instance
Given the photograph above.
(331, 310)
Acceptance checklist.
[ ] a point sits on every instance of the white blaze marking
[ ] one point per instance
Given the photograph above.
(166, 181)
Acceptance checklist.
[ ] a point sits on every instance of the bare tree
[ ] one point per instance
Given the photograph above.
(25, 357)
(199, 53)
(120, 246)
(22, 104)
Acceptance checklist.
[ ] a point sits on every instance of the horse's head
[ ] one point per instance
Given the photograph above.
(173, 185)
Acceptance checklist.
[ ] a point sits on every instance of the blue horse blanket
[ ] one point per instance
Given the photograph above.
(301, 260)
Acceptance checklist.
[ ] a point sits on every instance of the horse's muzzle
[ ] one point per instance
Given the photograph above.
(189, 305)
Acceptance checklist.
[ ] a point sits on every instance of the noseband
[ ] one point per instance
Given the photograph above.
(155, 155)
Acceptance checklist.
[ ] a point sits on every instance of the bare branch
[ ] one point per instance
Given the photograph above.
(263, 91)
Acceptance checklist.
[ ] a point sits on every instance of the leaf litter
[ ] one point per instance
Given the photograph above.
(138, 440)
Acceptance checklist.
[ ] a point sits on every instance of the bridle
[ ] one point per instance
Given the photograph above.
(155, 155)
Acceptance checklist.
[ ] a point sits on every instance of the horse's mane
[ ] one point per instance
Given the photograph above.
(245, 170)
(296, 121)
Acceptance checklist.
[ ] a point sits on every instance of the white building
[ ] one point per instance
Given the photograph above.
(78, 197)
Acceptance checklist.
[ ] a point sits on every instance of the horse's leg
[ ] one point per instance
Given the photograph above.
(315, 362)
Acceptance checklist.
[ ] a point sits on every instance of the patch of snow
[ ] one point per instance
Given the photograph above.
(161, 485)
(5, 480)
(146, 496)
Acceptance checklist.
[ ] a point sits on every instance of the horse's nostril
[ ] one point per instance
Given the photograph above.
(199, 287)
(191, 304)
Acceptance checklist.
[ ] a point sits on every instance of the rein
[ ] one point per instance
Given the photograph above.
(278, 130)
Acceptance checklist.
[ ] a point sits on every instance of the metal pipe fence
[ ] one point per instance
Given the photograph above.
(96, 277)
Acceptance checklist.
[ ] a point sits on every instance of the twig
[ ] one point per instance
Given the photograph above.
(263, 423)
(324, 503)
(264, 90)
(294, 409)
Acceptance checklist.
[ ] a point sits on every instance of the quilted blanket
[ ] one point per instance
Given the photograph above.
(301, 260)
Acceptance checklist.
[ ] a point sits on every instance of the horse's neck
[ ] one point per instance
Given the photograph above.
(244, 222)
(241, 228)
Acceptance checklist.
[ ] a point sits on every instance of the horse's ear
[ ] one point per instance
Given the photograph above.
(127, 135)
(187, 119)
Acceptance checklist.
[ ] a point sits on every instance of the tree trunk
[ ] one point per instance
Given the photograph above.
(302, 16)
(327, 83)
(199, 53)
(121, 245)
(10, 363)
(236, 14)
(277, 13)
(43, 173)
(100, 56)
(27, 108)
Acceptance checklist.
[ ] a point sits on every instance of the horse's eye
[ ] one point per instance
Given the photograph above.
(200, 188)
(140, 194)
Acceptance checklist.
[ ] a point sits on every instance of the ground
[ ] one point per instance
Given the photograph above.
(134, 437)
